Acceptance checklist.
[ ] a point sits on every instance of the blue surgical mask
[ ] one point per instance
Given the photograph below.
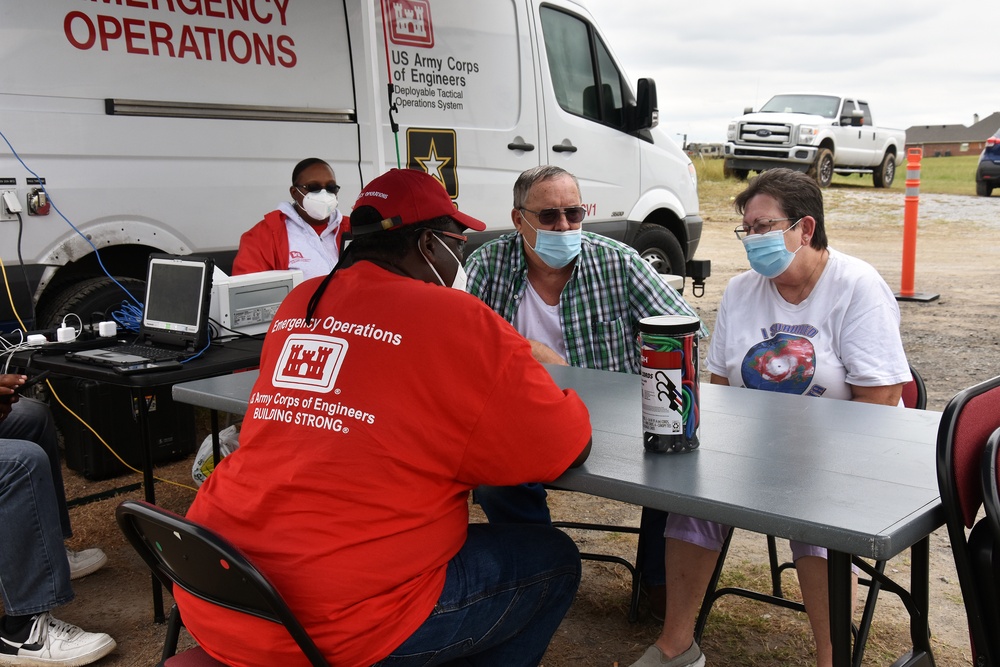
(767, 252)
(556, 249)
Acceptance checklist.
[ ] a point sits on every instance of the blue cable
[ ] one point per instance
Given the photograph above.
(82, 235)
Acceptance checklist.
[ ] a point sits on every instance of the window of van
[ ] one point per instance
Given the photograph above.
(584, 77)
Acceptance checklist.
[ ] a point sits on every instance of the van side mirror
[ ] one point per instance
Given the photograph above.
(747, 110)
(646, 115)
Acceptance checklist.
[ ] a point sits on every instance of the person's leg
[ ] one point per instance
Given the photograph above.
(506, 592)
(692, 550)
(31, 420)
(812, 571)
(524, 503)
(34, 572)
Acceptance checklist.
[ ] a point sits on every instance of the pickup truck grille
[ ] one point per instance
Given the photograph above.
(765, 134)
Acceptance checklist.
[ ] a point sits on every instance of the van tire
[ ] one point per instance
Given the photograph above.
(87, 297)
(659, 248)
(983, 189)
(885, 173)
(822, 168)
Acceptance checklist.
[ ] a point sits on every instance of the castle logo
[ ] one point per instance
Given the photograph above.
(309, 362)
(409, 22)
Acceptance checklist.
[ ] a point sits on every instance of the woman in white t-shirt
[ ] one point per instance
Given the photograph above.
(807, 320)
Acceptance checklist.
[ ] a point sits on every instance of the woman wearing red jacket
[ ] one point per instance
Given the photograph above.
(306, 233)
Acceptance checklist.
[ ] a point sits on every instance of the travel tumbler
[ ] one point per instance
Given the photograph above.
(670, 393)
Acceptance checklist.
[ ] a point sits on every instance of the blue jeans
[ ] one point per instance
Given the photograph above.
(34, 572)
(505, 593)
(31, 420)
(525, 503)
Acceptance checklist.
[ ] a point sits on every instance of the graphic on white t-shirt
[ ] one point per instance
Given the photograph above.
(784, 363)
(309, 362)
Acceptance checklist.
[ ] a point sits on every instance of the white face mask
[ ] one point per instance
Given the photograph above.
(460, 277)
(319, 205)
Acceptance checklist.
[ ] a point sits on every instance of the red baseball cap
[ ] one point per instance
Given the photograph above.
(406, 197)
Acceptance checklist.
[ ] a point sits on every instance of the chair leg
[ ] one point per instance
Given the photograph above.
(711, 593)
(174, 624)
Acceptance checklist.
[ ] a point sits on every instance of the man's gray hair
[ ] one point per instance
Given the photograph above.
(527, 180)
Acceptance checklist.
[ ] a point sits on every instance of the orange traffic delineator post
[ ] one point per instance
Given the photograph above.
(910, 208)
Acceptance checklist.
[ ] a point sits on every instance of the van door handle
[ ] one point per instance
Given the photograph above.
(563, 148)
(514, 146)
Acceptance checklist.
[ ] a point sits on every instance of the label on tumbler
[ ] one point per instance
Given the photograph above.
(661, 393)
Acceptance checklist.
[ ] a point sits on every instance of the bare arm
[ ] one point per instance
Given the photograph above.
(545, 354)
(718, 379)
(885, 395)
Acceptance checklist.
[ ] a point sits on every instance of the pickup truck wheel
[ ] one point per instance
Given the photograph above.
(93, 295)
(983, 189)
(822, 169)
(660, 249)
(883, 176)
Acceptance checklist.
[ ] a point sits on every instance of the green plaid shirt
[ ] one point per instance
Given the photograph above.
(611, 289)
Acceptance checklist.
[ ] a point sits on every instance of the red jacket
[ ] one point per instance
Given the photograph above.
(264, 247)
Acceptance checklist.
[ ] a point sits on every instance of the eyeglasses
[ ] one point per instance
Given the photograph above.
(461, 238)
(332, 188)
(550, 216)
(759, 226)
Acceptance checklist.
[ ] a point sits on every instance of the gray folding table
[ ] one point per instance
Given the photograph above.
(855, 478)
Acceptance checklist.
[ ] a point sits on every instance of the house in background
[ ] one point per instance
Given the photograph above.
(943, 140)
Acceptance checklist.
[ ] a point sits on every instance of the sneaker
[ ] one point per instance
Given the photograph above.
(48, 641)
(653, 657)
(82, 563)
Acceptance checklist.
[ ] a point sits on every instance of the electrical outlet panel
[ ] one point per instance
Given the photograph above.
(9, 204)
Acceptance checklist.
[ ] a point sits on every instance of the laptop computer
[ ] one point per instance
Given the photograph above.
(174, 318)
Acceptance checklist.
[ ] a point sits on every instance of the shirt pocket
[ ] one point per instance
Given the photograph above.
(612, 348)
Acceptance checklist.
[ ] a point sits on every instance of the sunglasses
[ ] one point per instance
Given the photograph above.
(332, 188)
(550, 216)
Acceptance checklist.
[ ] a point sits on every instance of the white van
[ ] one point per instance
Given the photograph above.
(173, 126)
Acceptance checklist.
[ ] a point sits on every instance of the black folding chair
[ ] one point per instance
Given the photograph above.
(182, 553)
(914, 396)
(966, 463)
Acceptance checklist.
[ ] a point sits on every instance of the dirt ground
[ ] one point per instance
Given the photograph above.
(952, 341)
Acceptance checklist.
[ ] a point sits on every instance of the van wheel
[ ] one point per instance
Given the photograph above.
(822, 168)
(883, 176)
(660, 249)
(983, 189)
(93, 299)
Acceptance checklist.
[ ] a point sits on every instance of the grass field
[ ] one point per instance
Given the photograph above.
(938, 175)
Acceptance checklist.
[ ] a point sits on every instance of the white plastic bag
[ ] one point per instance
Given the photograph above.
(204, 464)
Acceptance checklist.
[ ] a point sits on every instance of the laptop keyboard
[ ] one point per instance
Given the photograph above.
(148, 352)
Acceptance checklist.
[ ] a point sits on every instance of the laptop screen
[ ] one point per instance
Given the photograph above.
(177, 289)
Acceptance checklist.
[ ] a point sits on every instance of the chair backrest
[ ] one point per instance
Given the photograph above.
(183, 553)
(967, 422)
(915, 392)
(991, 483)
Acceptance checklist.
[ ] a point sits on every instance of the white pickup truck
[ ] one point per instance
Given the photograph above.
(817, 134)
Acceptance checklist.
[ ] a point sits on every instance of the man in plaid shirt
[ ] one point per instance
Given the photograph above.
(578, 298)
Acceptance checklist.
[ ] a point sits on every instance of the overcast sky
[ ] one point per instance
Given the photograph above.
(920, 62)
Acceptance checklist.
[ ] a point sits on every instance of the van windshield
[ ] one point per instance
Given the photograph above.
(816, 105)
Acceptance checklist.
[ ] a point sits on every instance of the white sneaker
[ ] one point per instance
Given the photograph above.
(82, 563)
(54, 642)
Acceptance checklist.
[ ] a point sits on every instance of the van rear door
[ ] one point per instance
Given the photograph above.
(585, 96)
(465, 97)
